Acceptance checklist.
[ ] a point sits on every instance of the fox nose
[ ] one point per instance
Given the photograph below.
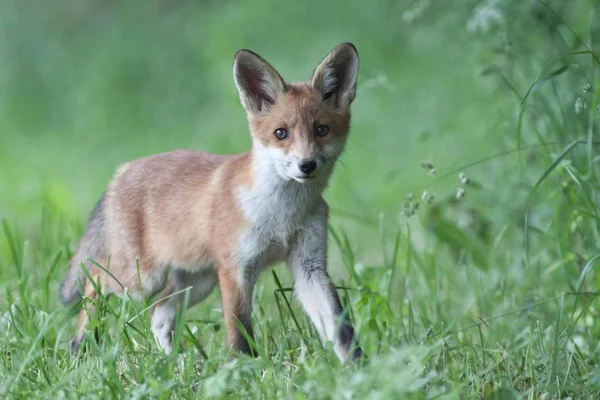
(307, 166)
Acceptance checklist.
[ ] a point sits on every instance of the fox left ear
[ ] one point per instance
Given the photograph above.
(336, 76)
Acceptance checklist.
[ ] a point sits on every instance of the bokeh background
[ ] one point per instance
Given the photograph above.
(501, 90)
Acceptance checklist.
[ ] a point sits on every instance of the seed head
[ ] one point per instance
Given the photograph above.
(463, 178)
(424, 195)
(580, 105)
(407, 210)
(410, 208)
(427, 165)
(586, 88)
(460, 193)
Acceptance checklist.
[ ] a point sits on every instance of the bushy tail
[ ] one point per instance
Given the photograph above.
(91, 246)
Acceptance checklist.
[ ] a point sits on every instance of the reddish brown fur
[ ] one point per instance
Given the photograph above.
(299, 108)
(160, 222)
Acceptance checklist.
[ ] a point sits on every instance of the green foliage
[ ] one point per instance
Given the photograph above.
(492, 294)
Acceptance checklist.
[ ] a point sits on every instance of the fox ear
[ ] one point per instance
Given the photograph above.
(335, 78)
(258, 83)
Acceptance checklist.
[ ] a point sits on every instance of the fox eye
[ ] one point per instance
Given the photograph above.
(281, 133)
(322, 130)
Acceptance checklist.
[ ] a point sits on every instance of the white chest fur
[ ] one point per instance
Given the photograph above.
(275, 209)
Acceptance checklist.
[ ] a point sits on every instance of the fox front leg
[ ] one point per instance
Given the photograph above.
(316, 291)
(236, 298)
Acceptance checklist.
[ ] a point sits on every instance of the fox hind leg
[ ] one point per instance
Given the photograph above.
(163, 314)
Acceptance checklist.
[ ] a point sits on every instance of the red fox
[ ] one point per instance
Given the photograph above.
(189, 219)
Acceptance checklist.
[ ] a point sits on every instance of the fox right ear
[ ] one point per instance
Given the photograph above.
(258, 83)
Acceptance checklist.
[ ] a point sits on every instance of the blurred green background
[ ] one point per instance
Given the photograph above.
(87, 85)
(504, 91)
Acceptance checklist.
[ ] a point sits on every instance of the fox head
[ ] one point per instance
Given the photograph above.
(299, 128)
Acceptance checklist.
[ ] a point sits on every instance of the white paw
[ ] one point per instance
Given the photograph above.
(165, 342)
(162, 327)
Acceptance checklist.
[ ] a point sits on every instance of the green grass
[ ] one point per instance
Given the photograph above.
(494, 295)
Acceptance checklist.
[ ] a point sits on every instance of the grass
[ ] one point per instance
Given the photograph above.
(490, 296)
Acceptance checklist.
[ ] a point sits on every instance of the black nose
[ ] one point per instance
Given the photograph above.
(307, 166)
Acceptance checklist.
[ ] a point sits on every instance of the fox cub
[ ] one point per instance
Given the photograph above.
(189, 219)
